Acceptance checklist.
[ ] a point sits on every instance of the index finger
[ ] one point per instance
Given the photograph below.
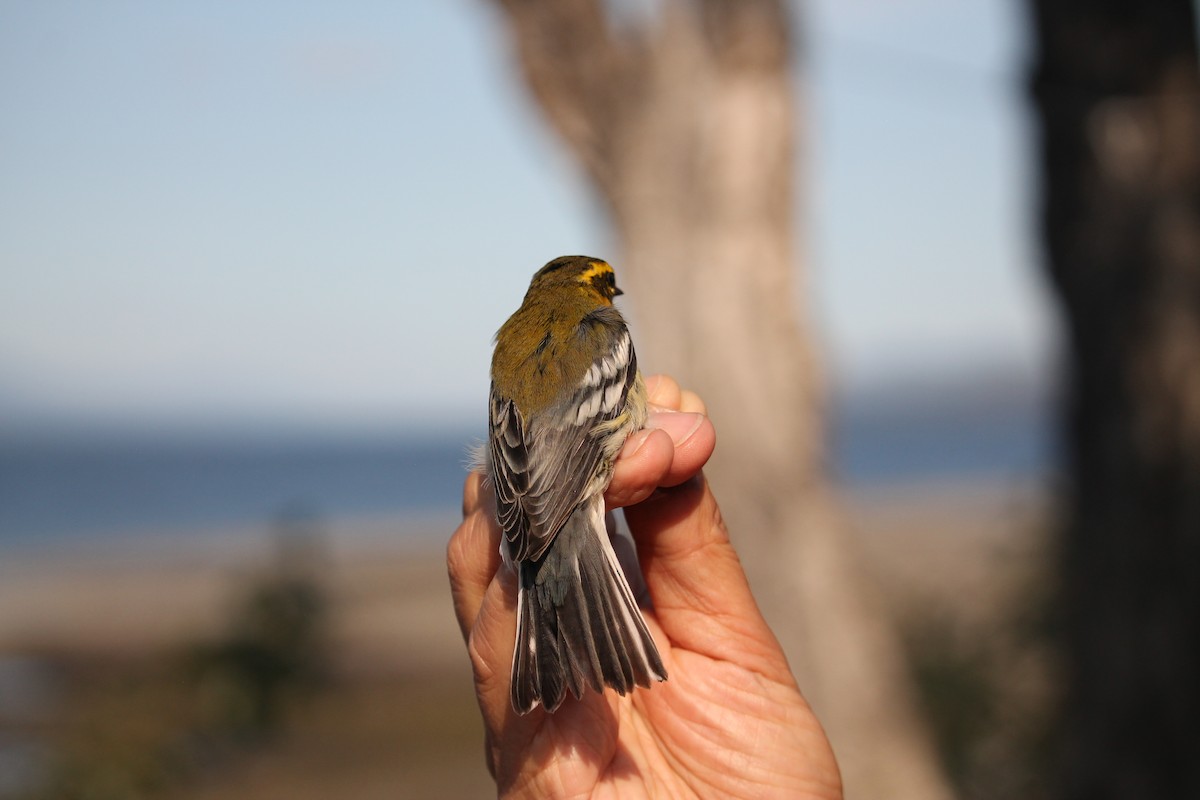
(670, 449)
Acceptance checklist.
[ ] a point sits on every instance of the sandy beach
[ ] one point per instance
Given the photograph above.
(385, 579)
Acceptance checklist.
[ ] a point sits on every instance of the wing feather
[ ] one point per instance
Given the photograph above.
(542, 466)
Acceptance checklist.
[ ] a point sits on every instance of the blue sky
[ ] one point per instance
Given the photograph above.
(320, 213)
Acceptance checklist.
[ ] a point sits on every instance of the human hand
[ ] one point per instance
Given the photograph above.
(730, 720)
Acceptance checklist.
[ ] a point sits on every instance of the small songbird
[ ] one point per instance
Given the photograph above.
(566, 392)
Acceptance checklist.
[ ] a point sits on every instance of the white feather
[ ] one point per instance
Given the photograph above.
(589, 408)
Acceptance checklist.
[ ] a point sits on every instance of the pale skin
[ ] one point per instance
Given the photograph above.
(729, 723)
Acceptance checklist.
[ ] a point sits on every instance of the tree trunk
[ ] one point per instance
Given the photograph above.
(686, 127)
(1117, 89)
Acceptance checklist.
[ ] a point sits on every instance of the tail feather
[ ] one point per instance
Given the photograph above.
(578, 624)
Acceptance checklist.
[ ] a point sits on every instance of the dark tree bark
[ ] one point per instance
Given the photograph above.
(685, 125)
(1117, 91)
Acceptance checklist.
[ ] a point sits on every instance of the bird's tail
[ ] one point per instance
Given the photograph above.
(578, 624)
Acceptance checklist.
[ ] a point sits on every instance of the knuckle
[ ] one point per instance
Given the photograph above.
(456, 552)
(481, 653)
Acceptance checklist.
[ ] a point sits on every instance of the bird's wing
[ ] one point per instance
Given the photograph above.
(542, 466)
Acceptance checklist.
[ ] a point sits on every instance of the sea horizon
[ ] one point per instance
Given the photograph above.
(85, 486)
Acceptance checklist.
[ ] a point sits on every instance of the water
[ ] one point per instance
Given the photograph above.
(56, 491)
(62, 489)
(879, 445)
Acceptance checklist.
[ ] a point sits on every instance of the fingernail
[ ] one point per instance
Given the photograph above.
(679, 425)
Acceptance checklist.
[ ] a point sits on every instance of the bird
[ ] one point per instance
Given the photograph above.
(565, 394)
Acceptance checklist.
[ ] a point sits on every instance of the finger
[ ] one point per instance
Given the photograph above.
(473, 553)
(701, 596)
(690, 401)
(672, 448)
(663, 391)
(490, 645)
(485, 594)
(693, 439)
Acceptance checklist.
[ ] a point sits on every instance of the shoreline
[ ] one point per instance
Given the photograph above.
(142, 593)
(385, 574)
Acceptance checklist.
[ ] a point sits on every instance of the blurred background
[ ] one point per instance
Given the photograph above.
(252, 258)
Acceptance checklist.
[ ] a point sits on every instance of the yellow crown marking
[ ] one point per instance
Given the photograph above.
(596, 268)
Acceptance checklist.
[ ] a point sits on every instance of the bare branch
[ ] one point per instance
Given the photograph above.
(748, 34)
(579, 73)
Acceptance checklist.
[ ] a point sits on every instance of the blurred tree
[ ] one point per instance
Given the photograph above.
(683, 119)
(1117, 89)
(276, 647)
